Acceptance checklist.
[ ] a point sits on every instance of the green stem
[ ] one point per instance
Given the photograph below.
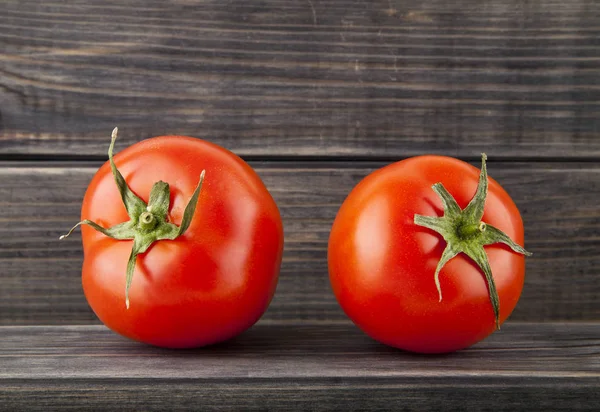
(470, 230)
(464, 232)
(147, 223)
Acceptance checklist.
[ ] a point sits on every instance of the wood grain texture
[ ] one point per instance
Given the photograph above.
(553, 366)
(399, 394)
(381, 78)
(41, 276)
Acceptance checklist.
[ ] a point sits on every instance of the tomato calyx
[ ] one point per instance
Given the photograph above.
(464, 232)
(147, 223)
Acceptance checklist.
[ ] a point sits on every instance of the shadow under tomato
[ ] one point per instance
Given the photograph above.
(278, 340)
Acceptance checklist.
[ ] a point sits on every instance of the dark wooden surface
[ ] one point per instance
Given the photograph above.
(303, 77)
(41, 275)
(310, 366)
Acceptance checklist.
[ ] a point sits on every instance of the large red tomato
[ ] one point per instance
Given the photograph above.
(383, 259)
(208, 284)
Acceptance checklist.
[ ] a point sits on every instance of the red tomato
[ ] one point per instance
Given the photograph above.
(382, 264)
(209, 284)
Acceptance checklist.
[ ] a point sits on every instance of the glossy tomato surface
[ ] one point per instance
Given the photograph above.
(206, 286)
(382, 264)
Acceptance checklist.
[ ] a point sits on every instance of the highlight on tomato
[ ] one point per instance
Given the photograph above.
(182, 243)
(424, 254)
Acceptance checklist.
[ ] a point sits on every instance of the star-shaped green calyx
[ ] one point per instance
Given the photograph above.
(147, 223)
(464, 232)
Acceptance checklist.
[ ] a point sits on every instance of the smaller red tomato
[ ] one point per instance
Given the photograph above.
(410, 268)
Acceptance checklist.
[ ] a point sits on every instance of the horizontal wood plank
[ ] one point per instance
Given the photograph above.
(401, 394)
(41, 276)
(315, 78)
(304, 367)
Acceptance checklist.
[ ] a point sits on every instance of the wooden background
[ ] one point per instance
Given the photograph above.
(314, 94)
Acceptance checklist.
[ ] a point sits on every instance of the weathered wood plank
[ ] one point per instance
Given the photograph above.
(330, 349)
(41, 276)
(316, 367)
(399, 394)
(379, 78)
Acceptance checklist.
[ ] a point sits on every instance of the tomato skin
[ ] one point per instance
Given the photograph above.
(208, 285)
(382, 265)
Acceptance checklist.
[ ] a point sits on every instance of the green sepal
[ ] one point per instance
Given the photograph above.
(134, 205)
(451, 208)
(478, 255)
(494, 235)
(464, 232)
(159, 201)
(449, 252)
(474, 210)
(140, 245)
(121, 231)
(190, 208)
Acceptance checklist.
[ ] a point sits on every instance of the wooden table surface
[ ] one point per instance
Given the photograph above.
(306, 366)
(314, 94)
